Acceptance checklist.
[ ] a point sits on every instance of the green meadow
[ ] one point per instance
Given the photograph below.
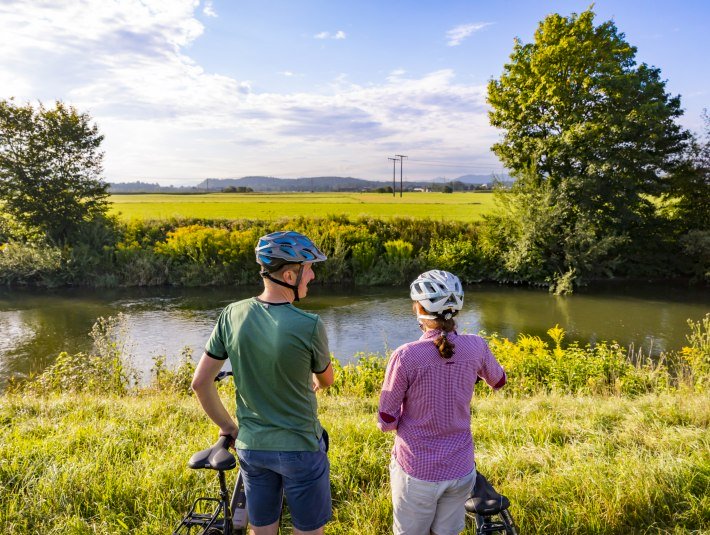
(104, 464)
(270, 206)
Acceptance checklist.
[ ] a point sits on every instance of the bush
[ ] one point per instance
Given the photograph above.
(696, 248)
(696, 356)
(107, 370)
(361, 379)
(178, 380)
(457, 255)
(29, 264)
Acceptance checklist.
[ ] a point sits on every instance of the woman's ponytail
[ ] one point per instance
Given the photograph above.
(443, 344)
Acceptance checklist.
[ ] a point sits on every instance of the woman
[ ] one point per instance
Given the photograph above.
(426, 398)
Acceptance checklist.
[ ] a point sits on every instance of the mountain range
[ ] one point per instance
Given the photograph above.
(319, 183)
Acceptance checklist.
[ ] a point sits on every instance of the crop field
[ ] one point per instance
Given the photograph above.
(270, 206)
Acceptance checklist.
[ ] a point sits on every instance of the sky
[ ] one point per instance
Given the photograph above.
(185, 90)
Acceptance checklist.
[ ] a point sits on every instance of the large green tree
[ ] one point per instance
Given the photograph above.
(591, 138)
(50, 168)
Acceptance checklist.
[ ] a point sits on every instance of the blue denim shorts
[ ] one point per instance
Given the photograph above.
(302, 476)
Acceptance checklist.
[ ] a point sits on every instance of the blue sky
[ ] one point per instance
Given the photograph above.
(184, 90)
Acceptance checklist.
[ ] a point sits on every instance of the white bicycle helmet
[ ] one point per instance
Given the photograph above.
(286, 247)
(439, 292)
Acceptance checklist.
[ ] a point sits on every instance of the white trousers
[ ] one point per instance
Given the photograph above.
(424, 507)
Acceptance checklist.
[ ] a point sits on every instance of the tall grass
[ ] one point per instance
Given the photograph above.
(90, 463)
(574, 456)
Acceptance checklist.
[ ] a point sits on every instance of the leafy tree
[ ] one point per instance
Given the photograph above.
(691, 183)
(591, 137)
(50, 168)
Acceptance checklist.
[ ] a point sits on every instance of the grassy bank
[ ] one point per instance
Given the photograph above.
(87, 463)
(582, 440)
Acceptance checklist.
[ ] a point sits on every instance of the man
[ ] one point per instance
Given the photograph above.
(280, 358)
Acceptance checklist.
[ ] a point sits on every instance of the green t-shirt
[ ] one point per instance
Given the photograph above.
(274, 349)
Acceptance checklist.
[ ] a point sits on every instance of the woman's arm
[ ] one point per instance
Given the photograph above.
(392, 394)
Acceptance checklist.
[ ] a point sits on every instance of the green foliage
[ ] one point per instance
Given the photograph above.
(363, 378)
(363, 257)
(697, 354)
(602, 369)
(457, 255)
(50, 168)
(689, 186)
(695, 246)
(178, 380)
(397, 250)
(25, 264)
(107, 370)
(589, 135)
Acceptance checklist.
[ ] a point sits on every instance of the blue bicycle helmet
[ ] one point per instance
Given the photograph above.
(278, 249)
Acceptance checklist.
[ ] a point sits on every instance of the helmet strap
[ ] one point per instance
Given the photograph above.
(265, 274)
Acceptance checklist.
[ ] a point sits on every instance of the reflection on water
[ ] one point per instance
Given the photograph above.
(36, 325)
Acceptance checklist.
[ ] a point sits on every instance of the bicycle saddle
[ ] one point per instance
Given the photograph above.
(216, 457)
(484, 499)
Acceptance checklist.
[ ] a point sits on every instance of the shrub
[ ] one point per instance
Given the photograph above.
(22, 263)
(457, 255)
(107, 370)
(697, 354)
(361, 379)
(178, 380)
(398, 250)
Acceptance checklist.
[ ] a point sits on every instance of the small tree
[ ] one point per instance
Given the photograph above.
(50, 168)
(590, 135)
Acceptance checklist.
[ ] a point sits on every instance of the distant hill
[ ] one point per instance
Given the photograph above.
(474, 179)
(269, 183)
(317, 183)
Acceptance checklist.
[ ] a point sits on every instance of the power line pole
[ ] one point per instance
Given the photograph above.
(401, 159)
(394, 180)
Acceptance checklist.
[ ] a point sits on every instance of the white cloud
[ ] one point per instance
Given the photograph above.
(340, 34)
(208, 9)
(164, 117)
(456, 35)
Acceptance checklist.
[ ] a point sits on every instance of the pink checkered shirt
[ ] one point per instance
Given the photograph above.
(427, 400)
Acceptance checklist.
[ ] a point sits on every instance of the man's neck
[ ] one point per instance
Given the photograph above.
(273, 293)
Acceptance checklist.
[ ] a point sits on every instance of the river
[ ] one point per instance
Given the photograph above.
(36, 325)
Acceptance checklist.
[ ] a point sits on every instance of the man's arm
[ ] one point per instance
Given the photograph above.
(323, 380)
(206, 391)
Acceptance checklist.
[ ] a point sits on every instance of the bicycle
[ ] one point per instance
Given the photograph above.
(217, 516)
(489, 510)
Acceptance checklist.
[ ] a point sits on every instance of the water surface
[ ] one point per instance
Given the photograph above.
(36, 325)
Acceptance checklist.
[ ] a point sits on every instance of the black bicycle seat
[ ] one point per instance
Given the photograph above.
(484, 499)
(216, 457)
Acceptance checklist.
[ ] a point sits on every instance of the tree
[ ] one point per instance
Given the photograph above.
(50, 168)
(690, 191)
(591, 135)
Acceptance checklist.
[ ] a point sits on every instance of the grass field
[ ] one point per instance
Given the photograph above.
(97, 464)
(270, 206)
